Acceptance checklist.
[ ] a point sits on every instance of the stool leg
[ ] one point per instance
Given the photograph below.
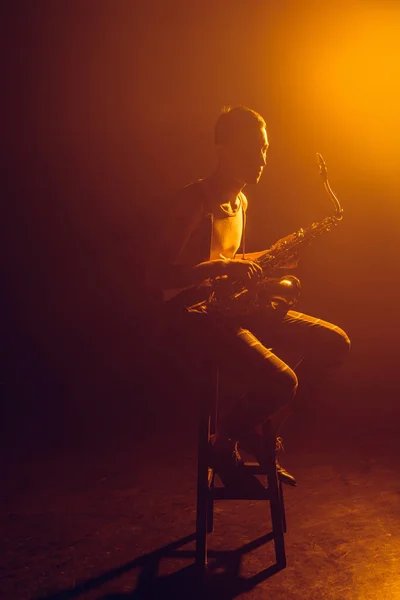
(202, 492)
(276, 517)
(205, 501)
(201, 524)
(214, 387)
(282, 507)
(210, 507)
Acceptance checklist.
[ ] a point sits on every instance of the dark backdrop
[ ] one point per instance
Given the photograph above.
(108, 107)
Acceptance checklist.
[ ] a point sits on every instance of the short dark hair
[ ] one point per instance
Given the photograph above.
(234, 121)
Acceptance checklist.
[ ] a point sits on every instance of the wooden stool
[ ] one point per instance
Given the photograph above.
(208, 492)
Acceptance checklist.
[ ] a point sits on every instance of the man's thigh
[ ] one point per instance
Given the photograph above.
(236, 349)
(300, 335)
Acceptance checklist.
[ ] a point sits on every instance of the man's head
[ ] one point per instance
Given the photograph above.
(242, 143)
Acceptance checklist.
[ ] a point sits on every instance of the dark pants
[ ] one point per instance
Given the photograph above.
(255, 349)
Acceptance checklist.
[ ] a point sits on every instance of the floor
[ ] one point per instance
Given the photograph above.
(114, 518)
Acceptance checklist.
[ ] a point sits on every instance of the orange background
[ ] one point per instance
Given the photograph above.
(111, 105)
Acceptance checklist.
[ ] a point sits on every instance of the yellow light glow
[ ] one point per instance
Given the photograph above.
(348, 77)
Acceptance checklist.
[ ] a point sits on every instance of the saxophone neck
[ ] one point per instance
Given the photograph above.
(324, 174)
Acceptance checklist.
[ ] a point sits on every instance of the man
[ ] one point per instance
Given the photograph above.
(202, 245)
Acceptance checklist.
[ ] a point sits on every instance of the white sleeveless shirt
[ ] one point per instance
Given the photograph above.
(227, 229)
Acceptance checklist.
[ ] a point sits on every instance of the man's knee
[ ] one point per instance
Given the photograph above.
(339, 346)
(287, 385)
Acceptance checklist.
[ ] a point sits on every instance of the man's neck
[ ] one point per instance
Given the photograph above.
(223, 188)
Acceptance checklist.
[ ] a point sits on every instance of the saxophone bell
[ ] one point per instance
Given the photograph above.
(284, 292)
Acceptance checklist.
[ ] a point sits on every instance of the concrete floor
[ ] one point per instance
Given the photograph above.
(115, 519)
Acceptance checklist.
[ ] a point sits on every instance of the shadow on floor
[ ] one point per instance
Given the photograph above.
(222, 581)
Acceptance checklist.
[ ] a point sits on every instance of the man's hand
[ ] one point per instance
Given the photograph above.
(241, 269)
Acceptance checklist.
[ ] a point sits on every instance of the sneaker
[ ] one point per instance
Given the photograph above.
(283, 474)
(254, 444)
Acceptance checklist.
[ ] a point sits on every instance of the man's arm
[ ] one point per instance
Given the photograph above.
(185, 213)
(253, 255)
(163, 272)
(182, 276)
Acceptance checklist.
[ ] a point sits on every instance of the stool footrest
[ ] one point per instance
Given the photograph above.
(210, 476)
(255, 468)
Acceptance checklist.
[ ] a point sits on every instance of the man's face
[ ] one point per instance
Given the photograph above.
(248, 155)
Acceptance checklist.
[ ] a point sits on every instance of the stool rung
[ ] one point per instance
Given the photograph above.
(255, 468)
(210, 476)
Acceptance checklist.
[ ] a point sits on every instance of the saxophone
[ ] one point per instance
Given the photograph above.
(234, 298)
